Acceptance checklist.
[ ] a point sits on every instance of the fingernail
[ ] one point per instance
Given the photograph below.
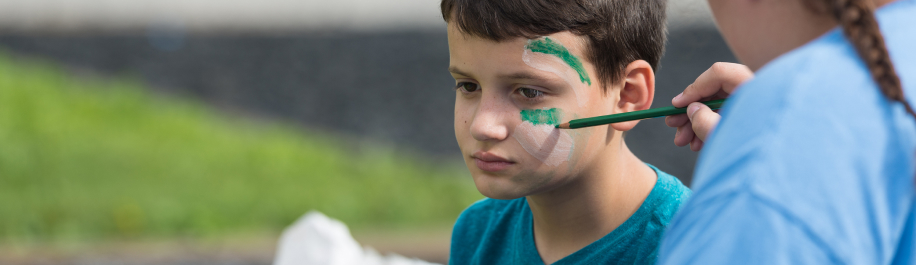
(678, 96)
(691, 109)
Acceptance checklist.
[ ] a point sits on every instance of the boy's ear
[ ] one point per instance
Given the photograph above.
(637, 92)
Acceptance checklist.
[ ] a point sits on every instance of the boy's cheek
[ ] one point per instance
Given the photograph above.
(464, 117)
(462, 128)
(586, 143)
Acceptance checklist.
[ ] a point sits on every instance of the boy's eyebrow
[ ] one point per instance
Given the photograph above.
(516, 75)
(454, 69)
(523, 75)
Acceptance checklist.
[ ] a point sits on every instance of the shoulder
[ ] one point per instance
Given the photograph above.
(487, 210)
(671, 185)
(482, 222)
(636, 240)
(800, 146)
(742, 228)
(813, 112)
(667, 196)
(827, 80)
(797, 112)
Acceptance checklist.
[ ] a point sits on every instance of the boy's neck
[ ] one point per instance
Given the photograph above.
(570, 217)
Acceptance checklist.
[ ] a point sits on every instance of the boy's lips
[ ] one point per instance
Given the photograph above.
(487, 161)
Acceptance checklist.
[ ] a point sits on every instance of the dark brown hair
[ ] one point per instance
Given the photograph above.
(618, 31)
(857, 17)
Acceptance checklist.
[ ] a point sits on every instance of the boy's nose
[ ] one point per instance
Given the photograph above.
(489, 122)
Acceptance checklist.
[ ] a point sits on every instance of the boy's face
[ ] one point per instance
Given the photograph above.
(510, 95)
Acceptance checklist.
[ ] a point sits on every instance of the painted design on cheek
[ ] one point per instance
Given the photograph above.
(554, 64)
(548, 46)
(539, 137)
(541, 116)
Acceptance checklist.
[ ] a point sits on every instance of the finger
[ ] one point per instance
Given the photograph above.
(676, 120)
(702, 119)
(684, 135)
(696, 144)
(720, 79)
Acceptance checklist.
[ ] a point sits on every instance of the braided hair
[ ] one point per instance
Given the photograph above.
(857, 17)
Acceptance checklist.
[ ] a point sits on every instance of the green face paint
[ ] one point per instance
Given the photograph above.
(540, 139)
(548, 46)
(542, 116)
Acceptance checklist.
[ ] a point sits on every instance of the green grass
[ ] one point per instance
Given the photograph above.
(85, 159)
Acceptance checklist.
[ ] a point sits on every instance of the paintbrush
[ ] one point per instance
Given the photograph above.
(634, 115)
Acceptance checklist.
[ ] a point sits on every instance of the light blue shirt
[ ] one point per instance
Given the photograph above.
(500, 231)
(810, 163)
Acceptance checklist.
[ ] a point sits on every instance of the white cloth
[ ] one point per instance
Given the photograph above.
(316, 239)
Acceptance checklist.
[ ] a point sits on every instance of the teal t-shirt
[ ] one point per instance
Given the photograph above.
(500, 231)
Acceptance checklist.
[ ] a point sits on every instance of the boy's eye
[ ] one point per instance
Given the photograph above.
(467, 86)
(530, 93)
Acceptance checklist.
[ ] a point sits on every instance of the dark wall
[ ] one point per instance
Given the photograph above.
(391, 86)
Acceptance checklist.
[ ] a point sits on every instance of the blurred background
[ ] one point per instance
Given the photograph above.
(195, 131)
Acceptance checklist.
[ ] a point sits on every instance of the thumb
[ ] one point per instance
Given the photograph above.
(704, 120)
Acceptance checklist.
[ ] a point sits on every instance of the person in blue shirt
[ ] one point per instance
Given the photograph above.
(814, 158)
(556, 196)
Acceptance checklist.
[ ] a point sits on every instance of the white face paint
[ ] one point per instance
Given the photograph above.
(545, 142)
(555, 65)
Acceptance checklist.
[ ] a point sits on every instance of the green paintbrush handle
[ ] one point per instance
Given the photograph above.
(635, 115)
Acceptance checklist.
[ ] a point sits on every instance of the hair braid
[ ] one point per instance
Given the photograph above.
(857, 17)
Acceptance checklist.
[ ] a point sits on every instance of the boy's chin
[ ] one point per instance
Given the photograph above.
(500, 193)
(507, 187)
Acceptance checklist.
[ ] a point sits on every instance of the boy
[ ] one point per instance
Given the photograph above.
(556, 196)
